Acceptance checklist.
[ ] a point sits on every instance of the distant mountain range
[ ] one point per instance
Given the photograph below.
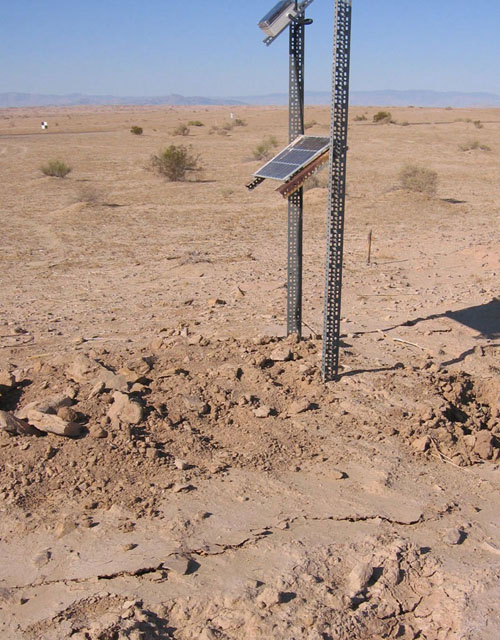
(387, 98)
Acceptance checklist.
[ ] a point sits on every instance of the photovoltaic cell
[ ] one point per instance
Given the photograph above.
(293, 158)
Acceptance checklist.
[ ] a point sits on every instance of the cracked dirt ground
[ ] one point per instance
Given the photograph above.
(218, 490)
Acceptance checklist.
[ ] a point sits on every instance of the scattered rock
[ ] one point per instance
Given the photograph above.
(179, 487)
(124, 409)
(68, 414)
(178, 563)
(282, 353)
(64, 527)
(195, 403)
(421, 444)
(453, 536)
(215, 302)
(269, 597)
(51, 423)
(83, 369)
(359, 578)
(262, 412)
(128, 546)
(15, 426)
(7, 380)
(48, 405)
(484, 444)
(299, 406)
(96, 390)
(97, 432)
(336, 474)
(181, 464)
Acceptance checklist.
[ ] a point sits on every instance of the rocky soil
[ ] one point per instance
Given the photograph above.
(171, 465)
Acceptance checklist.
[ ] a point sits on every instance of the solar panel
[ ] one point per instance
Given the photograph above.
(293, 158)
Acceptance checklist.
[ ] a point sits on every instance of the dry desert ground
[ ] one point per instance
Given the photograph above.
(209, 485)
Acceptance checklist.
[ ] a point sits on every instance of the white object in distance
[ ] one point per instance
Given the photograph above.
(44, 125)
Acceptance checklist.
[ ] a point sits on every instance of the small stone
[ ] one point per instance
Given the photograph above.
(421, 444)
(68, 414)
(97, 432)
(453, 536)
(359, 577)
(128, 546)
(181, 464)
(179, 487)
(336, 474)
(177, 563)
(215, 302)
(281, 354)
(299, 406)
(262, 412)
(484, 444)
(53, 424)
(15, 426)
(7, 379)
(269, 597)
(49, 405)
(152, 453)
(124, 409)
(41, 558)
(64, 527)
(97, 389)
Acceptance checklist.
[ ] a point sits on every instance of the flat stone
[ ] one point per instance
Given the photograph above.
(53, 424)
(421, 444)
(181, 464)
(7, 379)
(177, 563)
(262, 412)
(281, 354)
(15, 426)
(359, 577)
(47, 405)
(299, 406)
(64, 527)
(68, 414)
(484, 444)
(453, 536)
(97, 432)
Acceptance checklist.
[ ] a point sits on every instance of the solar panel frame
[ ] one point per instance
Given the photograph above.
(293, 158)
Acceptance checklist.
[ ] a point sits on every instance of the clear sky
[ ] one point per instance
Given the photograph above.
(198, 47)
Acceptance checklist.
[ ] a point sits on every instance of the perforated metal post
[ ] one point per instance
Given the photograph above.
(336, 199)
(295, 201)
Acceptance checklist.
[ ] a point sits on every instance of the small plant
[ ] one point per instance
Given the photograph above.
(181, 130)
(195, 123)
(419, 179)
(382, 117)
(137, 131)
(228, 126)
(360, 118)
(404, 123)
(317, 181)
(474, 144)
(310, 124)
(175, 162)
(55, 168)
(478, 124)
(448, 108)
(263, 150)
(239, 122)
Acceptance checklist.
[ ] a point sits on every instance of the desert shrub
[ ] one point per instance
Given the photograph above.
(474, 144)
(360, 118)
(317, 181)
(228, 126)
(175, 162)
(181, 130)
(264, 149)
(449, 108)
(55, 168)
(382, 117)
(310, 124)
(404, 123)
(419, 179)
(195, 123)
(137, 131)
(239, 122)
(478, 124)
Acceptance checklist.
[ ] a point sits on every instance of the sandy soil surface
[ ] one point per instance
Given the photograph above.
(209, 486)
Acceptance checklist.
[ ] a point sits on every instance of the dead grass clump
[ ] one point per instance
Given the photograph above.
(56, 169)
(419, 179)
(137, 131)
(181, 130)
(360, 118)
(474, 144)
(310, 124)
(175, 162)
(264, 149)
(317, 181)
(239, 122)
(478, 124)
(195, 123)
(90, 194)
(382, 117)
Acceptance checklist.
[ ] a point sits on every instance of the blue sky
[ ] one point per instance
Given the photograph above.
(197, 47)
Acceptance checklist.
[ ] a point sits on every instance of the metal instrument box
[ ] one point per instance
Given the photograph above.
(274, 22)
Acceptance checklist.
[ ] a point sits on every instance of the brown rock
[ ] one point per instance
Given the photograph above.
(299, 406)
(484, 444)
(262, 412)
(64, 527)
(359, 577)
(282, 353)
(124, 409)
(97, 432)
(7, 379)
(53, 424)
(177, 563)
(48, 405)
(215, 302)
(16, 427)
(68, 414)
(421, 444)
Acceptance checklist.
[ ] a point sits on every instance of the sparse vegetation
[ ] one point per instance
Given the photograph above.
(56, 169)
(137, 131)
(310, 124)
(181, 130)
(263, 150)
(317, 181)
(360, 118)
(382, 117)
(195, 123)
(474, 144)
(419, 179)
(478, 124)
(239, 122)
(175, 162)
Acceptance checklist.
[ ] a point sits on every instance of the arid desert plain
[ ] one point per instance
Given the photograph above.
(211, 487)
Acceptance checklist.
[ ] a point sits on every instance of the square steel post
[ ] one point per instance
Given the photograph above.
(336, 193)
(295, 201)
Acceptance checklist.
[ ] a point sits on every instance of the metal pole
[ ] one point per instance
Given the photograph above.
(295, 201)
(336, 197)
